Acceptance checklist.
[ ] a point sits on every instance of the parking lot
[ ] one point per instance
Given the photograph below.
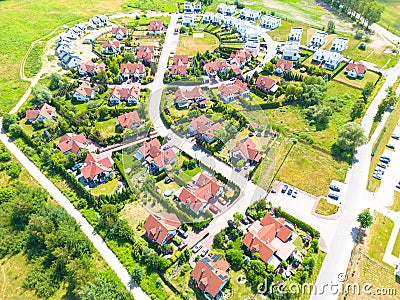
(337, 192)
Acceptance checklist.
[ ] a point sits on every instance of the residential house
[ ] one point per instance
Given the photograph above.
(295, 34)
(155, 27)
(329, 60)
(130, 93)
(152, 147)
(188, 7)
(45, 112)
(119, 32)
(318, 39)
(252, 46)
(76, 31)
(204, 127)
(250, 34)
(356, 70)
(197, 7)
(207, 18)
(63, 45)
(161, 227)
(241, 58)
(72, 143)
(69, 61)
(98, 21)
(188, 20)
(206, 187)
(129, 120)
(250, 14)
(91, 68)
(97, 167)
(270, 22)
(210, 275)
(339, 45)
(110, 47)
(179, 65)
(266, 84)
(145, 53)
(291, 51)
(233, 91)
(183, 98)
(270, 239)
(247, 151)
(84, 92)
(227, 10)
(282, 66)
(214, 67)
(190, 200)
(134, 71)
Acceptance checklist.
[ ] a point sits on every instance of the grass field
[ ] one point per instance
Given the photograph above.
(190, 45)
(391, 15)
(106, 188)
(325, 208)
(396, 247)
(27, 21)
(357, 83)
(396, 202)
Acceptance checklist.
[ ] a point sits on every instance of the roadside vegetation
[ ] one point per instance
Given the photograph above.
(325, 208)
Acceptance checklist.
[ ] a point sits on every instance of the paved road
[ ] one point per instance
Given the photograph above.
(87, 229)
(355, 201)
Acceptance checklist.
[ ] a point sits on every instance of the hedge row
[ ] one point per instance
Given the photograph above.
(299, 223)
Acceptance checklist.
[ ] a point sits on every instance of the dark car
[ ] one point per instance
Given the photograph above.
(390, 146)
(379, 171)
(290, 191)
(383, 166)
(396, 137)
(182, 233)
(334, 188)
(245, 221)
(398, 185)
(333, 196)
(377, 176)
(284, 189)
(384, 160)
(182, 246)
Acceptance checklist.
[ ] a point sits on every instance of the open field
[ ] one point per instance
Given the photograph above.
(157, 5)
(198, 42)
(391, 15)
(396, 202)
(30, 21)
(106, 189)
(357, 83)
(396, 247)
(325, 208)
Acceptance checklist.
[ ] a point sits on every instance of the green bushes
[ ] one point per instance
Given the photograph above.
(301, 224)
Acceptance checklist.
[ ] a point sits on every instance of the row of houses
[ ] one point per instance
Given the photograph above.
(190, 8)
(98, 21)
(63, 51)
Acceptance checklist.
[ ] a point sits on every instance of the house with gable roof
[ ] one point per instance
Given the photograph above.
(90, 68)
(282, 66)
(356, 70)
(214, 67)
(85, 92)
(266, 84)
(98, 21)
(129, 120)
(72, 143)
(145, 53)
(110, 47)
(179, 65)
(247, 151)
(184, 97)
(132, 71)
(119, 32)
(155, 27)
(210, 275)
(97, 167)
(45, 112)
(161, 227)
(241, 58)
(233, 91)
(130, 93)
(204, 127)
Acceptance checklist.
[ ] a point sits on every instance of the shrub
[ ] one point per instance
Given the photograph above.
(362, 46)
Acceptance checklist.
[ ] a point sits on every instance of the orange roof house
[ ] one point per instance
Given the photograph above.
(119, 32)
(45, 112)
(212, 68)
(110, 47)
(269, 238)
(210, 275)
(241, 57)
(97, 167)
(145, 53)
(266, 84)
(247, 151)
(129, 120)
(134, 71)
(283, 65)
(202, 125)
(191, 200)
(184, 97)
(155, 27)
(356, 70)
(230, 92)
(90, 68)
(161, 227)
(71, 142)
(85, 92)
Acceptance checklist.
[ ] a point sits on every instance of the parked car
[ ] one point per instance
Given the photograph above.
(182, 246)
(333, 196)
(204, 252)
(197, 248)
(396, 137)
(398, 185)
(284, 189)
(245, 221)
(379, 171)
(182, 233)
(290, 191)
(294, 195)
(377, 176)
(390, 146)
(334, 188)
(383, 166)
(213, 209)
(385, 157)
(385, 160)
(167, 180)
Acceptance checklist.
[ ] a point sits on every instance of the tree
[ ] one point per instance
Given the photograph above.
(108, 216)
(7, 121)
(331, 27)
(15, 130)
(129, 57)
(314, 90)
(357, 110)
(359, 34)
(14, 169)
(373, 12)
(101, 77)
(182, 29)
(237, 217)
(55, 81)
(269, 68)
(104, 288)
(137, 274)
(319, 116)
(235, 257)
(362, 46)
(240, 163)
(365, 218)
(350, 136)
(41, 94)
(293, 91)
(367, 90)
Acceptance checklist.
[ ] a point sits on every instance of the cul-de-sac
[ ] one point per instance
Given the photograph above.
(200, 149)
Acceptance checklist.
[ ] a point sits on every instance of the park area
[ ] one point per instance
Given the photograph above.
(197, 42)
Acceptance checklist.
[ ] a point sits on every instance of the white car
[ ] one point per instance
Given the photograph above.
(197, 248)
(204, 252)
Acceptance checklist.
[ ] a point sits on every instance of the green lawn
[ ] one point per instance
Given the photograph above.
(106, 128)
(158, 5)
(380, 233)
(391, 15)
(357, 83)
(106, 189)
(325, 208)
(27, 21)
(396, 247)
(396, 202)
(198, 42)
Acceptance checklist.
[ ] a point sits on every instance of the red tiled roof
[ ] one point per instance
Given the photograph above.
(72, 142)
(97, 164)
(178, 69)
(119, 30)
(90, 67)
(265, 82)
(85, 89)
(283, 232)
(125, 91)
(209, 276)
(241, 56)
(192, 94)
(284, 65)
(110, 44)
(200, 124)
(255, 244)
(359, 67)
(180, 59)
(127, 120)
(157, 226)
(215, 66)
(249, 149)
(46, 111)
(236, 89)
(155, 25)
(190, 199)
(130, 68)
(209, 190)
(151, 148)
